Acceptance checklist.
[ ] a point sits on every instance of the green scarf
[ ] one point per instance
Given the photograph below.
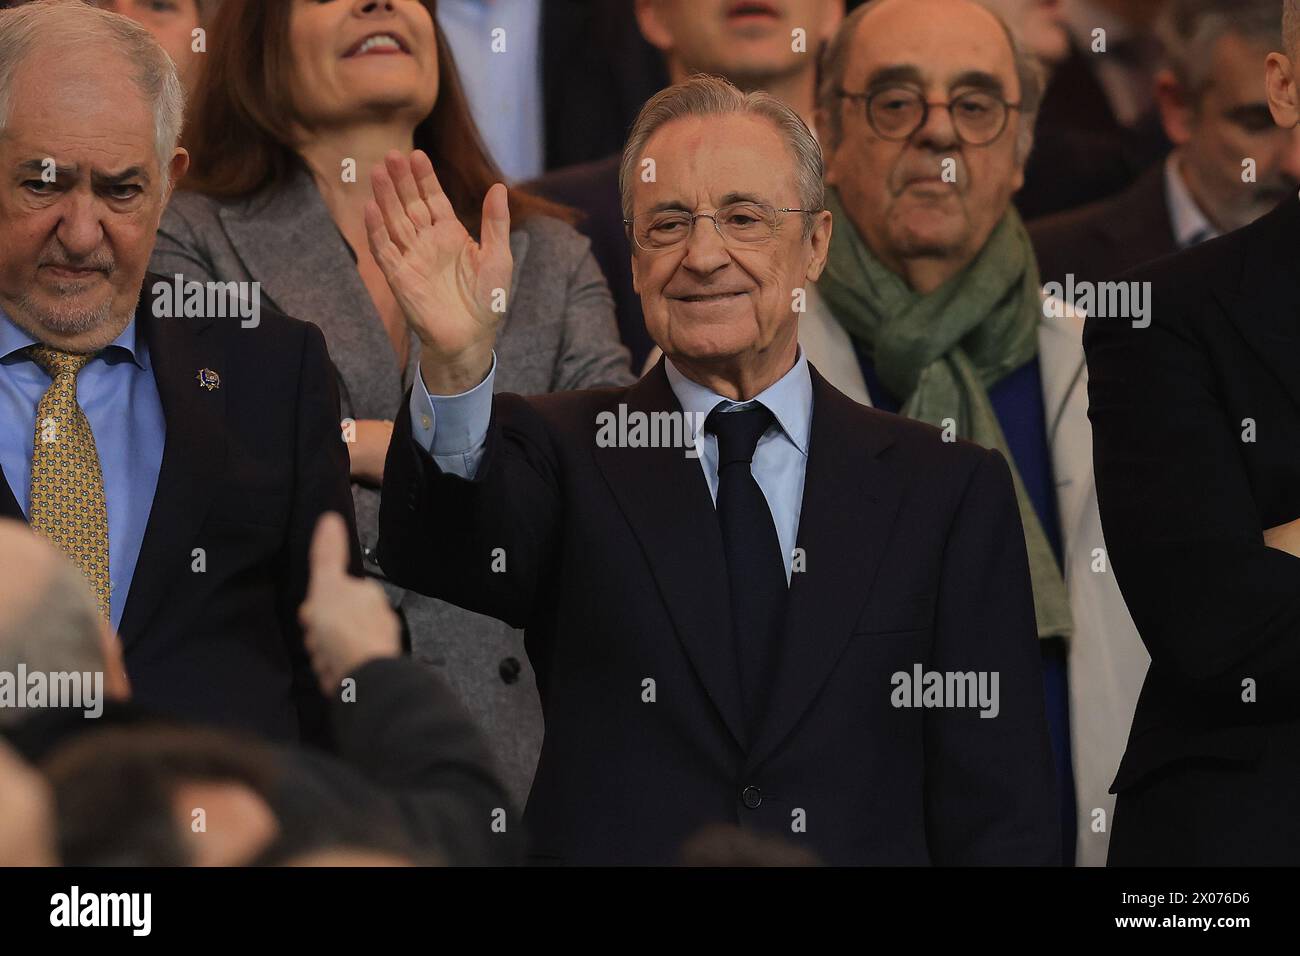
(945, 350)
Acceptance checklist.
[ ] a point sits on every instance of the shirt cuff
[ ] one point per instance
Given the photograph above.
(453, 428)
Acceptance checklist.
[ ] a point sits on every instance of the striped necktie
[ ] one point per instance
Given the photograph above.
(67, 504)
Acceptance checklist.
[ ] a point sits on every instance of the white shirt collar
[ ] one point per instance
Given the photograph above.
(1190, 225)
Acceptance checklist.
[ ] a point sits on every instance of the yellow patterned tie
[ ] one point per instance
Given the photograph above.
(67, 484)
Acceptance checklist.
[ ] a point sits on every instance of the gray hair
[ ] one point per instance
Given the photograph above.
(73, 25)
(713, 96)
(835, 61)
(58, 633)
(1290, 25)
(1189, 29)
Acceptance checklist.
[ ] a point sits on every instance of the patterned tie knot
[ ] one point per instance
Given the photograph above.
(56, 362)
(738, 432)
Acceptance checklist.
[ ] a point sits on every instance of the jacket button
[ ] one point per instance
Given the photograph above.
(752, 797)
(509, 669)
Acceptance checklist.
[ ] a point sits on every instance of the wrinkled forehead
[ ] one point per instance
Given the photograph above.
(937, 44)
(73, 110)
(700, 161)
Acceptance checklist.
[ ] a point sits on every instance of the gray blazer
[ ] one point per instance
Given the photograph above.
(558, 334)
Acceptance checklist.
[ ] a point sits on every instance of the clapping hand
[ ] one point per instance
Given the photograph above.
(449, 287)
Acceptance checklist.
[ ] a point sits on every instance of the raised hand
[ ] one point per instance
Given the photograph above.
(450, 288)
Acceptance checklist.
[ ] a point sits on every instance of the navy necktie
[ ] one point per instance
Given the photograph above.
(755, 567)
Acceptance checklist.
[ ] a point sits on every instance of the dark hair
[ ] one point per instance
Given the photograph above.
(238, 125)
(113, 789)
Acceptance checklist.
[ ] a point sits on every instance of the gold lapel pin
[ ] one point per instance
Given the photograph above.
(208, 379)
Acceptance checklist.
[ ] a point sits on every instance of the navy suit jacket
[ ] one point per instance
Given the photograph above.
(1196, 443)
(210, 629)
(614, 566)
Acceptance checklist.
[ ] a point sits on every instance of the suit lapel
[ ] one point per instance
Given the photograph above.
(194, 455)
(1265, 307)
(850, 499)
(665, 498)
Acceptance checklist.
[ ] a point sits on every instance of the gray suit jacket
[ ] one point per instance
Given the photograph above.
(558, 334)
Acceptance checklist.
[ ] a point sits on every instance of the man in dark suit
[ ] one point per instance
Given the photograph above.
(180, 458)
(1196, 421)
(1230, 162)
(760, 613)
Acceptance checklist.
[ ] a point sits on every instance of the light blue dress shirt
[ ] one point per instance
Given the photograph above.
(453, 429)
(504, 87)
(119, 396)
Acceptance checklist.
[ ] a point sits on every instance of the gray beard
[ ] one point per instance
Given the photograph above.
(66, 321)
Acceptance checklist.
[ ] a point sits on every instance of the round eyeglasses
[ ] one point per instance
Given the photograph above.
(740, 223)
(897, 112)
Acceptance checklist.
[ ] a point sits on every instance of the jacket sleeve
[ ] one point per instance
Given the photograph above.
(1214, 605)
(406, 733)
(991, 795)
(484, 544)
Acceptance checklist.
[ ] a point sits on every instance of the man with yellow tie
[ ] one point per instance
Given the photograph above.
(180, 459)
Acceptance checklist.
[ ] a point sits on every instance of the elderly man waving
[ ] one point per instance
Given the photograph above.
(787, 612)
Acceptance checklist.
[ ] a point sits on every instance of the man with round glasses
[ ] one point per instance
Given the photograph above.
(749, 600)
(931, 306)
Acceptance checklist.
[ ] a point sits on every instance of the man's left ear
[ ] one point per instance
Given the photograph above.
(821, 244)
